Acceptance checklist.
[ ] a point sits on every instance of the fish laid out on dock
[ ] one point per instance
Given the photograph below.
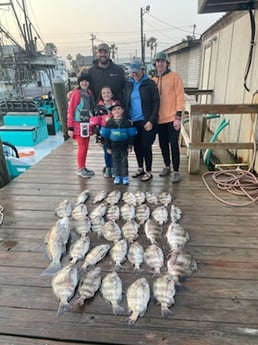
(125, 233)
(64, 284)
(56, 241)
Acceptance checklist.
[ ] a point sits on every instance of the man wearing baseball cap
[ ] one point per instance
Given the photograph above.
(105, 72)
(172, 99)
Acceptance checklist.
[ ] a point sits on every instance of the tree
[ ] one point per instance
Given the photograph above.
(188, 38)
(152, 44)
(50, 49)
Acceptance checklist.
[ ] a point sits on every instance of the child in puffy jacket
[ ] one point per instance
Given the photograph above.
(102, 114)
(118, 138)
(79, 113)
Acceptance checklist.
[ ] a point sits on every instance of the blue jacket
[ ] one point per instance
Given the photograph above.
(149, 95)
(118, 132)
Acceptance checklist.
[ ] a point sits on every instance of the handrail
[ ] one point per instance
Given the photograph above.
(194, 140)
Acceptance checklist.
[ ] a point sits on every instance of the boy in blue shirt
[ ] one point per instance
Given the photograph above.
(118, 138)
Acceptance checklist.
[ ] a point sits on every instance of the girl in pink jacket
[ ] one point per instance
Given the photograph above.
(79, 113)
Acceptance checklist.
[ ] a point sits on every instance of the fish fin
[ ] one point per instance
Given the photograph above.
(51, 269)
(63, 308)
(47, 254)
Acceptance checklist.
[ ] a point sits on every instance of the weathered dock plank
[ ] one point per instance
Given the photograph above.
(216, 306)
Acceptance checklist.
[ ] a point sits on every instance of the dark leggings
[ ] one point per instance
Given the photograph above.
(168, 136)
(143, 145)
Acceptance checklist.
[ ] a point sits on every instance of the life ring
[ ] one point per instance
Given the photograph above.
(14, 149)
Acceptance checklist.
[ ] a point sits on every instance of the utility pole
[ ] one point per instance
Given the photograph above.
(142, 47)
(194, 27)
(142, 12)
(93, 37)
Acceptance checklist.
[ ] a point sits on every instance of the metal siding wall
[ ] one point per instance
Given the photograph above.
(228, 65)
(187, 64)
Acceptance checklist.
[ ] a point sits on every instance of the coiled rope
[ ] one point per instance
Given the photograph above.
(1, 214)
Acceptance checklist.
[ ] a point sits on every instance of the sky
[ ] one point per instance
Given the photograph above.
(71, 25)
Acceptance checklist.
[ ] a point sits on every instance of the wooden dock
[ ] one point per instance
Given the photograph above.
(217, 305)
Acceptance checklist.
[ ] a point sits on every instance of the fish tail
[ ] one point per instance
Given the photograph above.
(165, 311)
(80, 301)
(117, 309)
(117, 266)
(83, 269)
(132, 318)
(63, 308)
(51, 269)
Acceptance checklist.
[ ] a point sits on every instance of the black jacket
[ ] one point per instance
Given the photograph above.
(113, 76)
(149, 98)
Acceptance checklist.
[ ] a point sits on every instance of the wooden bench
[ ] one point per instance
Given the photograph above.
(194, 138)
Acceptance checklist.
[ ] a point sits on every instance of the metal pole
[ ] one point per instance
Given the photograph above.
(142, 39)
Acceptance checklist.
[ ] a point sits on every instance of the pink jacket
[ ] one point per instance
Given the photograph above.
(74, 101)
(100, 120)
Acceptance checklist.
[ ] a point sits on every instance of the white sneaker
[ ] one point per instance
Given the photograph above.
(175, 177)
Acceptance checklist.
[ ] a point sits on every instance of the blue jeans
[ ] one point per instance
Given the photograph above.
(108, 158)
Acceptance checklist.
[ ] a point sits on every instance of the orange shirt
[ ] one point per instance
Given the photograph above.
(172, 98)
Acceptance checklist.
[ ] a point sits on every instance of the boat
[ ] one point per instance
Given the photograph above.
(31, 129)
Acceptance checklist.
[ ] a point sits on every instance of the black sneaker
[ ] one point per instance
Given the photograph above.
(165, 172)
(89, 172)
(82, 173)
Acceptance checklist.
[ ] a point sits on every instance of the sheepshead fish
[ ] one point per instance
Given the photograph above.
(165, 198)
(99, 211)
(80, 212)
(79, 249)
(140, 197)
(82, 197)
(176, 236)
(142, 213)
(113, 213)
(129, 198)
(95, 255)
(152, 231)
(113, 197)
(56, 241)
(175, 214)
(152, 198)
(111, 231)
(118, 253)
(160, 215)
(82, 226)
(180, 266)
(136, 255)
(89, 285)
(64, 284)
(64, 209)
(138, 296)
(164, 292)
(154, 258)
(97, 224)
(128, 212)
(111, 290)
(130, 230)
(99, 197)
